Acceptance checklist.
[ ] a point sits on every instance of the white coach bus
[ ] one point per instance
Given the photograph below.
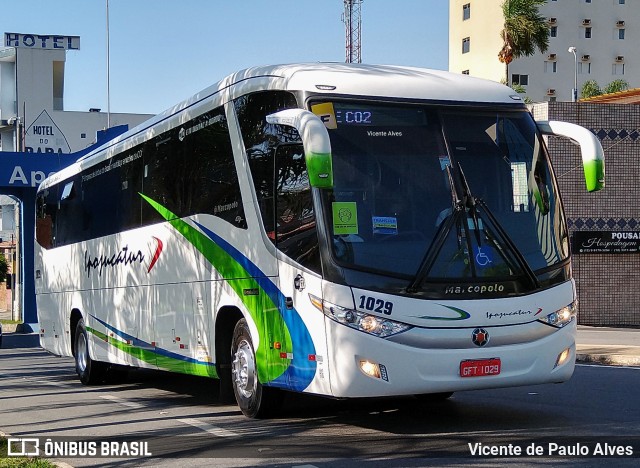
(342, 230)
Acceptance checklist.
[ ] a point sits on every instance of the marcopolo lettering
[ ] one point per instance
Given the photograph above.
(477, 288)
(41, 41)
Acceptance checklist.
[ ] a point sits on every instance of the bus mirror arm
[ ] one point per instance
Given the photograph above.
(315, 141)
(590, 148)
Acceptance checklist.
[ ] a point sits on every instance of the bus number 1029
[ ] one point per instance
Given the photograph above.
(375, 305)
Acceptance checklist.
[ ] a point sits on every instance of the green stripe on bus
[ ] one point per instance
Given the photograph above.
(264, 312)
(163, 362)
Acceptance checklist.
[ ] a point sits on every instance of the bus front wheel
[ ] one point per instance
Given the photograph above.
(254, 400)
(89, 371)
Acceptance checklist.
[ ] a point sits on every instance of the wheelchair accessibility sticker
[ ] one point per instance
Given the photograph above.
(483, 256)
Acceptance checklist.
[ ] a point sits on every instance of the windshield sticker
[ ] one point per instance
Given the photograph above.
(326, 113)
(483, 256)
(345, 218)
(385, 225)
(444, 162)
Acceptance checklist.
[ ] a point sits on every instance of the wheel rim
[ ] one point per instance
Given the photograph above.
(81, 353)
(244, 370)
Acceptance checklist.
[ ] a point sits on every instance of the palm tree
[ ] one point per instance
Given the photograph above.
(524, 32)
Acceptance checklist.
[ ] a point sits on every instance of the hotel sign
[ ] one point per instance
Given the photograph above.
(606, 242)
(41, 41)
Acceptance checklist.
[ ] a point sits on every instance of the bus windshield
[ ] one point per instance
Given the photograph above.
(439, 194)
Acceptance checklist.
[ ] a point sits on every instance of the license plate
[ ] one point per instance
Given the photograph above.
(480, 367)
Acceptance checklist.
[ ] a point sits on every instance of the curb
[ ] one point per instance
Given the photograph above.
(609, 359)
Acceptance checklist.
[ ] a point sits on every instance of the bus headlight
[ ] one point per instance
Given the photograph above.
(561, 317)
(364, 322)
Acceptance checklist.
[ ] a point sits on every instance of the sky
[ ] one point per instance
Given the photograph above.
(163, 51)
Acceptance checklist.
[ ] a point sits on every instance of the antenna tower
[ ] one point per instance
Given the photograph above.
(353, 28)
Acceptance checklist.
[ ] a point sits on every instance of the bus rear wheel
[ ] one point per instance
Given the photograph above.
(254, 400)
(89, 371)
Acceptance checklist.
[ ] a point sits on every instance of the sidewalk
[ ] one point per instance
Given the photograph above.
(612, 346)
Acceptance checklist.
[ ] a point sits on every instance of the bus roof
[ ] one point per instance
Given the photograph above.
(384, 81)
(381, 80)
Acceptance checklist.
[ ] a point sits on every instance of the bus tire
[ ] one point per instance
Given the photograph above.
(89, 371)
(254, 400)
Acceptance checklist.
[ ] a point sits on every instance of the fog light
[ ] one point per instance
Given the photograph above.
(562, 357)
(370, 368)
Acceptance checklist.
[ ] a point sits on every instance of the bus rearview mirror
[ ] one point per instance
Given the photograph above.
(590, 149)
(315, 140)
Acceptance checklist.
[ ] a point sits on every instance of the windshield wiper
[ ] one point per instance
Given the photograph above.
(510, 244)
(434, 249)
(472, 203)
(460, 206)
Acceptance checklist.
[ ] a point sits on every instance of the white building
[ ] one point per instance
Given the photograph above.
(32, 70)
(605, 34)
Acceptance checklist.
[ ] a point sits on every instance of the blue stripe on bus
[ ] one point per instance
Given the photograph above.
(143, 344)
(301, 370)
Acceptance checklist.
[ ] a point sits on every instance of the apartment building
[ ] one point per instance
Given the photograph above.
(604, 34)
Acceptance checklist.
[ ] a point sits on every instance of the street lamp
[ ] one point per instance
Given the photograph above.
(574, 91)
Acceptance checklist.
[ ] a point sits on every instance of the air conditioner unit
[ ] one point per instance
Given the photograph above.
(620, 24)
(586, 58)
(551, 57)
(620, 58)
(551, 92)
(553, 20)
(586, 22)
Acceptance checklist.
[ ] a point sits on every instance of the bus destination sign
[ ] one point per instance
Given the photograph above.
(606, 242)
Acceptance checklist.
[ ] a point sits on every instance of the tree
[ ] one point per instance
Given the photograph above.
(590, 88)
(616, 86)
(518, 88)
(524, 31)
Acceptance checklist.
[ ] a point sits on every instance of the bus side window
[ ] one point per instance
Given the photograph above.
(190, 170)
(295, 219)
(46, 211)
(260, 140)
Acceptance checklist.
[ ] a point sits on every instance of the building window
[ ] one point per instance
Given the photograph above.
(621, 2)
(550, 67)
(553, 31)
(584, 68)
(465, 72)
(587, 33)
(621, 33)
(520, 79)
(466, 11)
(587, 1)
(553, 98)
(466, 44)
(618, 69)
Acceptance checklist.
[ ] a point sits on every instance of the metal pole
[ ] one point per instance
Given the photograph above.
(574, 91)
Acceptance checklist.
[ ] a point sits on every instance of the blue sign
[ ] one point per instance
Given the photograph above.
(30, 169)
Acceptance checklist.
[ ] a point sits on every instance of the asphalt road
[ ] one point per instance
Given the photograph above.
(183, 424)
